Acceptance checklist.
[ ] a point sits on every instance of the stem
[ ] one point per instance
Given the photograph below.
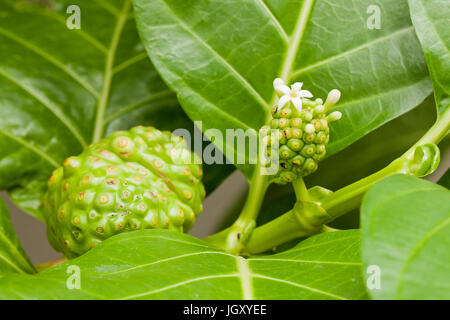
(288, 227)
(326, 228)
(436, 133)
(274, 233)
(348, 198)
(233, 239)
(258, 187)
(301, 192)
(108, 73)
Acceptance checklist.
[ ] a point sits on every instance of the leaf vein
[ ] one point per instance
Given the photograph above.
(131, 107)
(352, 51)
(48, 104)
(108, 74)
(296, 39)
(244, 81)
(43, 155)
(300, 286)
(75, 76)
(275, 21)
(130, 62)
(178, 284)
(308, 261)
(167, 259)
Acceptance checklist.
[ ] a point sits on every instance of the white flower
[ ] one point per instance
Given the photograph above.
(294, 94)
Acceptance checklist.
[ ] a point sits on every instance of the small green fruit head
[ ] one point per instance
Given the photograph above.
(300, 125)
(137, 179)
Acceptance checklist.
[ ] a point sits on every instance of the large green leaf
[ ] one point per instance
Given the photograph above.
(430, 19)
(61, 89)
(12, 257)
(159, 264)
(222, 56)
(406, 233)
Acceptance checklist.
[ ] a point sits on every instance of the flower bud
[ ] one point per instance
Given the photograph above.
(332, 99)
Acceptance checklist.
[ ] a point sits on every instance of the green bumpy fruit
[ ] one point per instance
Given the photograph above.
(302, 138)
(137, 179)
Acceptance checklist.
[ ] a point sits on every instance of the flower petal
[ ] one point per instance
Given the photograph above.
(282, 89)
(297, 86)
(283, 100)
(278, 82)
(305, 94)
(297, 103)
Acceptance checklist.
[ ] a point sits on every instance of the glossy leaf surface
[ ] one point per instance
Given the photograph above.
(222, 56)
(430, 19)
(406, 232)
(177, 266)
(62, 88)
(12, 257)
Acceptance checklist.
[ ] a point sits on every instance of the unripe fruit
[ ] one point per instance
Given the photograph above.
(303, 124)
(137, 179)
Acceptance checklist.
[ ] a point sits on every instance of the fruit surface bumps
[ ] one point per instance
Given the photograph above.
(302, 139)
(137, 179)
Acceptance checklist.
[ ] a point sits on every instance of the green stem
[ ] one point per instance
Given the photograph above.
(278, 231)
(326, 228)
(349, 197)
(233, 239)
(436, 133)
(288, 227)
(258, 187)
(301, 192)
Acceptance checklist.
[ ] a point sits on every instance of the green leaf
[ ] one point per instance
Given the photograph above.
(406, 232)
(430, 19)
(62, 89)
(222, 56)
(13, 258)
(177, 266)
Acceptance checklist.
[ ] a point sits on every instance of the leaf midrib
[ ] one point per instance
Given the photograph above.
(243, 273)
(245, 276)
(108, 73)
(294, 43)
